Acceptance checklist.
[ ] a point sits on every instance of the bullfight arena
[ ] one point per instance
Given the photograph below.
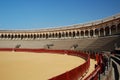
(35, 66)
(88, 51)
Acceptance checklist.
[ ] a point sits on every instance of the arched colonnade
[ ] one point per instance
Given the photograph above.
(99, 30)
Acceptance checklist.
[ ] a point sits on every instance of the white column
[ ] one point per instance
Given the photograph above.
(109, 30)
(116, 28)
(64, 34)
(88, 33)
(84, 33)
(99, 32)
(104, 31)
(94, 33)
(80, 34)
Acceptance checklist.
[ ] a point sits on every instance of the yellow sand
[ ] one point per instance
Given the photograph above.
(35, 66)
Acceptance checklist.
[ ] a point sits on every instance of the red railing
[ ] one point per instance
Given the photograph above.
(73, 74)
(94, 75)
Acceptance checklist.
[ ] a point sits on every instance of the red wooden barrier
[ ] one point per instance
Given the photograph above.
(73, 74)
(94, 74)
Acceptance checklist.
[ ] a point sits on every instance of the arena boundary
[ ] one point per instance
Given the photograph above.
(75, 74)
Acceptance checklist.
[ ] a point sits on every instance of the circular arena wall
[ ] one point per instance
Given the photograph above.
(73, 74)
(104, 27)
(42, 66)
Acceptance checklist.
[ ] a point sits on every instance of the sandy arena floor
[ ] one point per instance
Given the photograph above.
(35, 66)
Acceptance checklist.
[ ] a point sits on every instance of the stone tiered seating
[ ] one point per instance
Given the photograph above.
(104, 43)
(100, 44)
(63, 44)
(84, 43)
(23, 43)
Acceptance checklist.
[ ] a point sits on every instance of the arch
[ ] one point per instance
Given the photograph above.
(73, 34)
(5, 35)
(66, 34)
(53, 35)
(43, 35)
(91, 33)
(118, 28)
(40, 35)
(107, 32)
(37, 36)
(46, 35)
(63, 34)
(82, 33)
(28, 36)
(31, 36)
(34, 36)
(2, 35)
(18, 35)
(77, 33)
(113, 29)
(9, 35)
(15, 36)
(56, 35)
(12, 36)
(22, 36)
(86, 32)
(101, 32)
(59, 35)
(97, 32)
(70, 34)
(25, 35)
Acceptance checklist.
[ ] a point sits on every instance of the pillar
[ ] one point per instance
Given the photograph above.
(109, 30)
(80, 34)
(88, 33)
(84, 33)
(116, 28)
(99, 32)
(94, 33)
(75, 34)
(104, 31)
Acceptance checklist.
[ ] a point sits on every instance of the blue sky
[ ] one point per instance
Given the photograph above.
(37, 14)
